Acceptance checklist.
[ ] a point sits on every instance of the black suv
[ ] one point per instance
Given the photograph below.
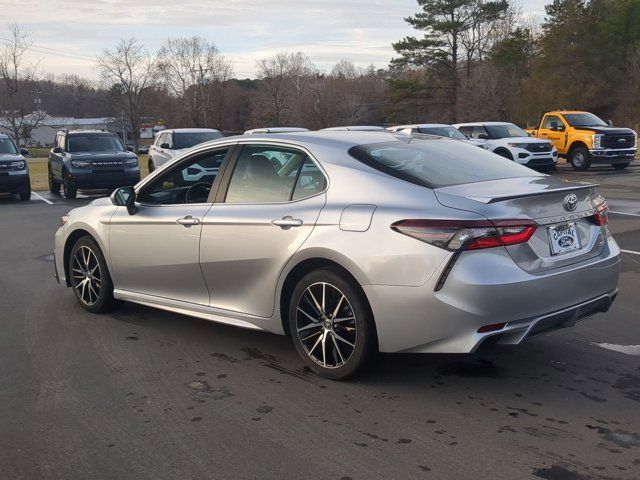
(90, 160)
(14, 172)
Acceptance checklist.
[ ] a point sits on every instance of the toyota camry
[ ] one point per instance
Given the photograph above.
(350, 243)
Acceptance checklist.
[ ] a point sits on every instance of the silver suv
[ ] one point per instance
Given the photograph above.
(170, 144)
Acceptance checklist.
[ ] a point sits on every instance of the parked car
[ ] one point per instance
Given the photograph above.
(170, 144)
(90, 160)
(583, 138)
(355, 128)
(14, 171)
(359, 242)
(143, 149)
(512, 142)
(256, 131)
(439, 129)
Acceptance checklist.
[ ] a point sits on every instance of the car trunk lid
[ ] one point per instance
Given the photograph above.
(550, 202)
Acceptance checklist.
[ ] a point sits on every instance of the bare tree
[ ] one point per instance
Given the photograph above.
(128, 71)
(18, 74)
(193, 70)
(272, 71)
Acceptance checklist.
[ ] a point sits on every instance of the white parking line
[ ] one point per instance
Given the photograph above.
(42, 198)
(626, 349)
(624, 213)
(630, 251)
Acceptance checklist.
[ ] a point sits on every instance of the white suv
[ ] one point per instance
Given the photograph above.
(439, 129)
(512, 142)
(170, 144)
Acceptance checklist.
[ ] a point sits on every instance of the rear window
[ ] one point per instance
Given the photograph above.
(438, 163)
(189, 139)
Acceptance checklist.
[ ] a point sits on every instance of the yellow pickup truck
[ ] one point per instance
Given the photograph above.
(583, 138)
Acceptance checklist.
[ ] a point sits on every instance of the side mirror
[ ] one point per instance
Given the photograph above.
(56, 150)
(610, 123)
(24, 152)
(483, 136)
(165, 146)
(129, 148)
(125, 197)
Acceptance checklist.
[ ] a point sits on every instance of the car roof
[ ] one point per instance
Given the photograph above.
(255, 131)
(421, 125)
(188, 130)
(481, 124)
(354, 128)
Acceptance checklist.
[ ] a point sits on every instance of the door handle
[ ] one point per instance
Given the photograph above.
(287, 222)
(188, 221)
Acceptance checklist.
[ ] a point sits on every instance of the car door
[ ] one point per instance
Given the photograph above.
(553, 128)
(263, 213)
(156, 251)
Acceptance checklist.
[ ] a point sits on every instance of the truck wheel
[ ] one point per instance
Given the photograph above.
(620, 166)
(70, 190)
(54, 187)
(579, 158)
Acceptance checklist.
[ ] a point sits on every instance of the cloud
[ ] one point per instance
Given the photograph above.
(327, 30)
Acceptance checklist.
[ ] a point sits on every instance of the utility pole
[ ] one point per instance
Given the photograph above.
(124, 130)
(204, 108)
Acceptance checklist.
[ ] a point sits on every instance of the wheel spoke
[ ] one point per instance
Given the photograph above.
(345, 319)
(337, 309)
(315, 302)
(315, 345)
(311, 325)
(324, 349)
(335, 344)
(324, 298)
(343, 340)
(314, 320)
(319, 332)
(91, 289)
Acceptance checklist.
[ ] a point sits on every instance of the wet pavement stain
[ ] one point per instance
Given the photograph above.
(619, 437)
(203, 389)
(264, 409)
(255, 354)
(558, 473)
(224, 356)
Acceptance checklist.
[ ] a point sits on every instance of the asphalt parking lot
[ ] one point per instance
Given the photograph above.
(148, 394)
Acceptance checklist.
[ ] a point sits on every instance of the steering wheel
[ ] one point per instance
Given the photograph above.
(205, 187)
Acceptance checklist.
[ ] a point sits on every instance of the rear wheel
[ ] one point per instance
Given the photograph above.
(620, 166)
(331, 324)
(579, 158)
(70, 189)
(89, 276)
(54, 186)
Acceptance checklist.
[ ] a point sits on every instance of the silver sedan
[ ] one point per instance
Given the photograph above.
(350, 243)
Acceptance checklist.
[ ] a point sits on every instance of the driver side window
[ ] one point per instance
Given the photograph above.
(187, 182)
(550, 120)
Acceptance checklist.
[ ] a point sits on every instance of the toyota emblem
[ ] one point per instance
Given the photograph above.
(570, 202)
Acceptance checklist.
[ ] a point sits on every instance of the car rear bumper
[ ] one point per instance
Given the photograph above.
(625, 155)
(487, 288)
(14, 183)
(97, 179)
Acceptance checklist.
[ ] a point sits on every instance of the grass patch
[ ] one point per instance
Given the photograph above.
(39, 152)
(38, 171)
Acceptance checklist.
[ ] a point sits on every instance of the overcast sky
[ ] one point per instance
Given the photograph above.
(68, 34)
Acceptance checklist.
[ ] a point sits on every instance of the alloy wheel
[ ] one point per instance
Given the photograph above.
(326, 325)
(578, 159)
(86, 275)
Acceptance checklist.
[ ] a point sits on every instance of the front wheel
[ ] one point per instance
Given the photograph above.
(25, 194)
(54, 187)
(620, 166)
(70, 189)
(331, 324)
(90, 277)
(579, 158)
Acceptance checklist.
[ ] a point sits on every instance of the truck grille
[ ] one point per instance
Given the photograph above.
(626, 140)
(539, 147)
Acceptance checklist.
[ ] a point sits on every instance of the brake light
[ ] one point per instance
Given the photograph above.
(601, 217)
(457, 235)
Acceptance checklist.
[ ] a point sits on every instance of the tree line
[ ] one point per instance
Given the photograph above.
(468, 60)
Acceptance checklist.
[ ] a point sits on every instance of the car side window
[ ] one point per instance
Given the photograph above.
(549, 119)
(267, 173)
(466, 130)
(311, 181)
(159, 139)
(187, 182)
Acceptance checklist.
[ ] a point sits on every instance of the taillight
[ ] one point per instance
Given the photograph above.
(457, 235)
(601, 217)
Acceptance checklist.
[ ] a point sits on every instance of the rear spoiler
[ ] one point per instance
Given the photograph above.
(511, 196)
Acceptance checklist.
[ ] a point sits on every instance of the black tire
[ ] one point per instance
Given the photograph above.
(70, 189)
(25, 194)
(350, 343)
(98, 298)
(504, 153)
(619, 166)
(54, 186)
(579, 158)
(151, 166)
